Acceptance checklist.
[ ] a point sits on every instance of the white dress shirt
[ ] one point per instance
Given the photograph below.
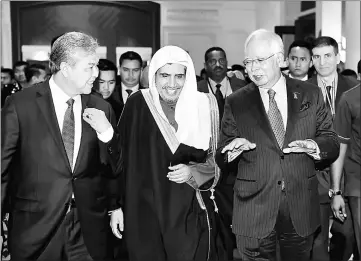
(125, 94)
(280, 98)
(225, 88)
(60, 98)
(303, 79)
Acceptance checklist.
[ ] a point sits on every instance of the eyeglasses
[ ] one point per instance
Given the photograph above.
(212, 62)
(260, 61)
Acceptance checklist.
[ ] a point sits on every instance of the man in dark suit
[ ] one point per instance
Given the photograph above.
(51, 156)
(218, 83)
(325, 57)
(130, 70)
(105, 85)
(276, 127)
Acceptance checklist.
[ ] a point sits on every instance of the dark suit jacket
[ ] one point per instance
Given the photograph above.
(36, 174)
(236, 84)
(257, 188)
(343, 84)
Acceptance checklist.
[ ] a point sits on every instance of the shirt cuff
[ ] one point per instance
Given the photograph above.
(111, 211)
(316, 153)
(107, 135)
(234, 154)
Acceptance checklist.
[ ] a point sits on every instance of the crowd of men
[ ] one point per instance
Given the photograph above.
(89, 144)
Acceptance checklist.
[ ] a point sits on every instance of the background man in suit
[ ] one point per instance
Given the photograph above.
(325, 58)
(217, 82)
(50, 160)
(105, 85)
(278, 126)
(299, 60)
(130, 69)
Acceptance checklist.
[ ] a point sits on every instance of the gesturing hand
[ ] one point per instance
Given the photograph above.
(180, 173)
(97, 119)
(301, 146)
(117, 222)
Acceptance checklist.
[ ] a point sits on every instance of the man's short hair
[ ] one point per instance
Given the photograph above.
(20, 63)
(34, 70)
(107, 65)
(8, 71)
(275, 41)
(238, 67)
(67, 45)
(325, 41)
(349, 72)
(359, 67)
(302, 44)
(214, 48)
(130, 55)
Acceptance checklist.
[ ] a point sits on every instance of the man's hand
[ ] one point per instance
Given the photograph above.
(97, 119)
(117, 222)
(301, 146)
(338, 207)
(236, 147)
(180, 173)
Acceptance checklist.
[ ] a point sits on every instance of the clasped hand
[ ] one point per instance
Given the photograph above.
(96, 119)
(180, 173)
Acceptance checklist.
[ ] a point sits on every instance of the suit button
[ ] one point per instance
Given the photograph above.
(74, 178)
(110, 150)
(279, 182)
(282, 157)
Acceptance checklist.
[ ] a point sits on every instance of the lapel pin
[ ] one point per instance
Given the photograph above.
(295, 95)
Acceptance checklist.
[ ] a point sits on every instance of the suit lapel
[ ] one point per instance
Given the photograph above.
(46, 106)
(234, 86)
(341, 87)
(258, 111)
(293, 96)
(203, 86)
(85, 130)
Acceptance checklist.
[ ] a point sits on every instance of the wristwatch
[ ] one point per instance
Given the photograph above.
(332, 193)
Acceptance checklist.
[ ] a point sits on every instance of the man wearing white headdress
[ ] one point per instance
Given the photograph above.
(169, 134)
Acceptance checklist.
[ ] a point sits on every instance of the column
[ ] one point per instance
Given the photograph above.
(6, 46)
(352, 34)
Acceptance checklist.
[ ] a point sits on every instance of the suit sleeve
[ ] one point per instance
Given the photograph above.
(113, 147)
(326, 138)
(9, 142)
(228, 133)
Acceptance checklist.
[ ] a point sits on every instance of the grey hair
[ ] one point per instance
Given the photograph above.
(65, 47)
(275, 41)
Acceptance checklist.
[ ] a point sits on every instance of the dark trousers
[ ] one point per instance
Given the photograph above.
(67, 243)
(291, 245)
(342, 241)
(355, 209)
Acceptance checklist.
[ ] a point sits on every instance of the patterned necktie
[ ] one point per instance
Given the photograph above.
(68, 131)
(220, 100)
(328, 98)
(129, 92)
(275, 118)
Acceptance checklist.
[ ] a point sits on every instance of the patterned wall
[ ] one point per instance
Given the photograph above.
(112, 23)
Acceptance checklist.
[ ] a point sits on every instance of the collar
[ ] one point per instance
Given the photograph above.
(279, 87)
(303, 79)
(322, 83)
(223, 82)
(59, 96)
(134, 89)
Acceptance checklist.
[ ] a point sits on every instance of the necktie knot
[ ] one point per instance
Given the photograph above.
(328, 89)
(70, 102)
(218, 86)
(271, 94)
(129, 92)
